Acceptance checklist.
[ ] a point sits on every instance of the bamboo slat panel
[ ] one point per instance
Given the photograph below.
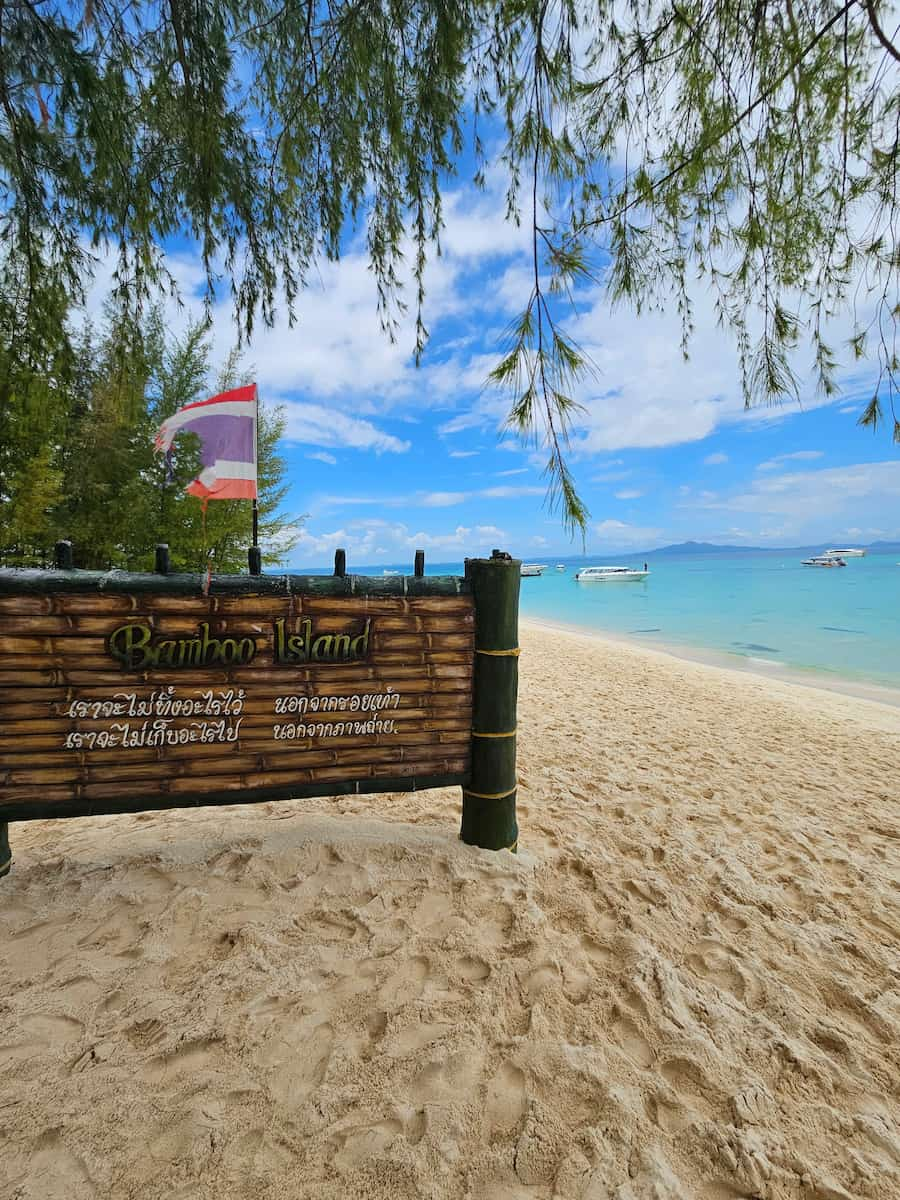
(94, 603)
(81, 729)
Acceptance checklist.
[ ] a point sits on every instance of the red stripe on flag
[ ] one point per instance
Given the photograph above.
(226, 489)
(236, 394)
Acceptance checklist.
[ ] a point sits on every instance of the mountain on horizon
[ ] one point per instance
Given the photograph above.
(714, 548)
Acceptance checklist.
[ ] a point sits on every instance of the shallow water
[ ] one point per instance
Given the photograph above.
(766, 609)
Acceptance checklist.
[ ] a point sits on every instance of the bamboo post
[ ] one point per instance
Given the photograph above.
(254, 560)
(489, 798)
(63, 555)
(419, 567)
(5, 852)
(340, 563)
(161, 564)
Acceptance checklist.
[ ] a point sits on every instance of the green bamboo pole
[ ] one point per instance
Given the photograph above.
(5, 852)
(489, 798)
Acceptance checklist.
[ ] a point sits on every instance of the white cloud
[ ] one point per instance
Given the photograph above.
(811, 506)
(715, 460)
(611, 476)
(374, 540)
(475, 226)
(442, 499)
(774, 464)
(620, 535)
(412, 500)
(506, 492)
(463, 453)
(323, 456)
(628, 494)
(645, 394)
(514, 471)
(313, 424)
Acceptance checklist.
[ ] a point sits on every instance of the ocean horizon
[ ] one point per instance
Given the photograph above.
(759, 609)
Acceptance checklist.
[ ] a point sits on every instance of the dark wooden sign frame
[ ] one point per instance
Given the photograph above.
(36, 606)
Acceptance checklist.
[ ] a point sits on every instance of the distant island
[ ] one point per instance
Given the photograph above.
(712, 548)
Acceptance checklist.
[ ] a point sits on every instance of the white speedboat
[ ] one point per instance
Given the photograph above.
(389, 571)
(607, 574)
(823, 560)
(528, 569)
(561, 567)
(846, 553)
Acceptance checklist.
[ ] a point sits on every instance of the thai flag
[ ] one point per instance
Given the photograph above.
(226, 427)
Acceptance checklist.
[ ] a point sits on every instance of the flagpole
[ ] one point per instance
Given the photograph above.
(255, 556)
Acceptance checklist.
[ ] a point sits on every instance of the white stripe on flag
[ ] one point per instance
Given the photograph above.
(227, 408)
(224, 469)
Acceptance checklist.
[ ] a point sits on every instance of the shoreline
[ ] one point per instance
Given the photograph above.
(811, 679)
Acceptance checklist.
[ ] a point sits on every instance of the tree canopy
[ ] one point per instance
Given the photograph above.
(747, 147)
(77, 458)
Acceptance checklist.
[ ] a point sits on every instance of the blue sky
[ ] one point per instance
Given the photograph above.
(384, 457)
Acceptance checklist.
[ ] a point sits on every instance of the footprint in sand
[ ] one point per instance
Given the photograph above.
(730, 920)
(577, 985)
(376, 1025)
(39, 1037)
(297, 1054)
(691, 1084)
(597, 953)
(56, 1172)
(539, 979)
(633, 1042)
(643, 890)
(188, 1059)
(405, 984)
(712, 961)
(118, 935)
(668, 1113)
(443, 1081)
(352, 1147)
(506, 1100)
(416, 1126)
(331, 927)
(44, 944)
(473, 969)
(417, 1037)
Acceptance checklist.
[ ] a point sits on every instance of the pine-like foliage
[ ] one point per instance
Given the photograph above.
(87, 469)
(746, 146)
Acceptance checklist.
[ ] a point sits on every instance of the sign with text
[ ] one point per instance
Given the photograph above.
(116, 701)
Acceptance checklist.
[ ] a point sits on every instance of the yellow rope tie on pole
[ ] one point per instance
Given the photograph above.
(501, 653)
(475, 733)
(490, 795)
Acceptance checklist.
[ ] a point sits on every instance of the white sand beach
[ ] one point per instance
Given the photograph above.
(685, 984)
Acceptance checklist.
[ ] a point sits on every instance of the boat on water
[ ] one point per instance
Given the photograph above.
(389, 571)
(528, 569)
(561, 567)
(823, 560)
(609, 574)
(849, 553)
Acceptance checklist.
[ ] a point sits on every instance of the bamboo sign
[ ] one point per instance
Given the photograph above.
(127, 692)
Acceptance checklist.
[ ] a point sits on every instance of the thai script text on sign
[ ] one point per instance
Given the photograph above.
(108, 698)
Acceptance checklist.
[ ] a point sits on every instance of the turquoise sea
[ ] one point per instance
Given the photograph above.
(763, 610)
